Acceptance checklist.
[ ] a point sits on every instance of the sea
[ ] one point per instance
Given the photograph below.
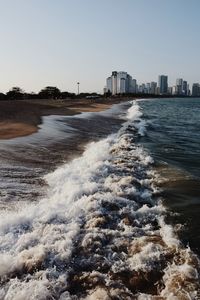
(104, 205)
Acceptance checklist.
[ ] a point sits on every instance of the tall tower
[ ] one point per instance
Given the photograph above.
(122, 82)
(114, 82)
(163, 84)
(185, 88)
(134, 86)
(179, 86)
(109, 84)
(153, 87)
(196, 90)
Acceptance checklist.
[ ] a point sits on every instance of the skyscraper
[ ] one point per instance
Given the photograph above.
(196, 89)
(129, 84)
(120, 83)
(114, 82)
(134, 86)
(153, 87)
(179, 86)
(109, 84)
(148, 88)
(163, 84)
(185, 88)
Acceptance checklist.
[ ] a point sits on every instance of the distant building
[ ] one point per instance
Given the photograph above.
(114, 83)
(185, 88)
(179, 86)
(157, 91)
(109, 84)
(163, 84)
(120, 83)
(134, 86)
(121, 86)
(123, 83)
(170, 90)
(174, 90)
(153, 87)
(148, 88)
(140, 89)
(196, 90)
(188, 90)
(128, 83)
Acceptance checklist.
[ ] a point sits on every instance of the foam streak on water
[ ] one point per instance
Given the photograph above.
(100, 233)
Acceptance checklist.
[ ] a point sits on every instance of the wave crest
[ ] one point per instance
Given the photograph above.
(100, 233)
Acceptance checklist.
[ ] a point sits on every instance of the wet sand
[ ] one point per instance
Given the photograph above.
(21, 118)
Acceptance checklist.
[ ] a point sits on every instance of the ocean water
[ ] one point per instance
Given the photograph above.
(173, 139)
(97, 211)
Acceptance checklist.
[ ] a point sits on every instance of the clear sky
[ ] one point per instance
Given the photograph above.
(60, 42)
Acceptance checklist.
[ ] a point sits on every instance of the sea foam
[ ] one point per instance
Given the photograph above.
(100, 232)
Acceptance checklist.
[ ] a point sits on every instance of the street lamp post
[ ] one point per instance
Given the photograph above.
(78, 86)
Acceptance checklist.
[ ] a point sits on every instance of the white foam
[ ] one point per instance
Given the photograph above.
(135, 113)
(111, 184)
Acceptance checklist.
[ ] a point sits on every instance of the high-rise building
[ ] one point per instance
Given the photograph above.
(179, 82)
(120, 83)
(153, 87)
(188, 90)
(174, 90)
(163, 84)
(185, 88)
(109, 84)
(170, 90)
(179, 86)
(121, 87)
(134, 86)
(140, 88)
(114, 83)
(130, 84)
(148, 88)
(182, 87)
(157, 91)
(196, 89)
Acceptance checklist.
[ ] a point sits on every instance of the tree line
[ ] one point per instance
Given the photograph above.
(49, 92)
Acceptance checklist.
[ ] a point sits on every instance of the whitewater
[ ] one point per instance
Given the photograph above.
(100, 232)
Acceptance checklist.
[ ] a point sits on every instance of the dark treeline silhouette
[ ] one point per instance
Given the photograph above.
(49, 92)
(52, 92)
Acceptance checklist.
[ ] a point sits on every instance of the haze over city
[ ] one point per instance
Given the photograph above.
(59, 43)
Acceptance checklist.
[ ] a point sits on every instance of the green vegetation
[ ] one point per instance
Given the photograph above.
(49, 92)
(53, 93)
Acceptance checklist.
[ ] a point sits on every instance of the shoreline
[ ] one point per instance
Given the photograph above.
(22, 117)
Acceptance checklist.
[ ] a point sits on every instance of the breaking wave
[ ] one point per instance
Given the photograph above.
(100, 233)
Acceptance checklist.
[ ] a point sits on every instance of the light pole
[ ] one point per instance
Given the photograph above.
(78, 86)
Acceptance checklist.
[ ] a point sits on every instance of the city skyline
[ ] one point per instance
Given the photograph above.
(120, 82)
(177, 87)
(46, 43)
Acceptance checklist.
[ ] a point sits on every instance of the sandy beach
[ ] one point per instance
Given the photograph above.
(21, 118)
